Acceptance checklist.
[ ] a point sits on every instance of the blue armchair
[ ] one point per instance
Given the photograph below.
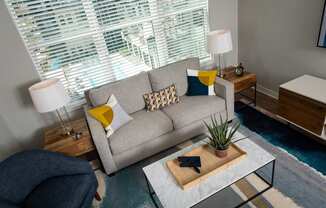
(39, 179)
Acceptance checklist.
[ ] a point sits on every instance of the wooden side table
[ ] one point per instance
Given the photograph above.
(56, 142)
(247, 81)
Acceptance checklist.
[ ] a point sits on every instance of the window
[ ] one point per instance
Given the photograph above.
(87, 43)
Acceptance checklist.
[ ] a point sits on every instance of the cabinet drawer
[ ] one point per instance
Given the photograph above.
(304, 112)
(244, 84)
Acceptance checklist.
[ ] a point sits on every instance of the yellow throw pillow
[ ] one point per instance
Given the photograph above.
(111, 115)
(103, 114)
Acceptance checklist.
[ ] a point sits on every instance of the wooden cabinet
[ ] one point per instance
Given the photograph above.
(302, 102)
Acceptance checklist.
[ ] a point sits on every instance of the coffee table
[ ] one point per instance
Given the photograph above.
(162, 183)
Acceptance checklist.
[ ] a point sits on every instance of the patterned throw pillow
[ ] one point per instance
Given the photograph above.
(111, 115)
(201, 82)
(161, 99)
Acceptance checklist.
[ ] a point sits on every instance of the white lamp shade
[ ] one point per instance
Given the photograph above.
(219, 41)
(48, 95)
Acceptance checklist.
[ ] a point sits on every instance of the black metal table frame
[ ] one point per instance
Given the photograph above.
(252, 99)
(270, 184)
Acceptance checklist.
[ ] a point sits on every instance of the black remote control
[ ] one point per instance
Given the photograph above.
(192, 162)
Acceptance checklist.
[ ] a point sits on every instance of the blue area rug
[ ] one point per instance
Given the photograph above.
(293, 178)
(281, 135)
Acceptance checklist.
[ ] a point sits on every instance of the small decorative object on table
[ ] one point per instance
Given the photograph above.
(221, 135)
(190, 162)
(239, 70)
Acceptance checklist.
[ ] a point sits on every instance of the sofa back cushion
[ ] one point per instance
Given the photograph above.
(128, 91)
(175, 73)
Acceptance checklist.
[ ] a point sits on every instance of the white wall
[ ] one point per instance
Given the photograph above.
(20, 125)
(223, 14)
(278, 38)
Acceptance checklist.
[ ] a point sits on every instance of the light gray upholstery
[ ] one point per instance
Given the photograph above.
(129, 92)
(194, 108)
(161, 143)
(101, 142)
(151, 132)
(144, 127)
(225, 90)
(175, 73)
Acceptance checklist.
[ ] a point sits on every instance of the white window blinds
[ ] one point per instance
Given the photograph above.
(87, 43)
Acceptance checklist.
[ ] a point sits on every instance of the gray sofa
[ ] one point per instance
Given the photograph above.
(151, 132)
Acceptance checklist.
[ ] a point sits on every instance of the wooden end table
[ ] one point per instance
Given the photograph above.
(56, 142)
(246, 81)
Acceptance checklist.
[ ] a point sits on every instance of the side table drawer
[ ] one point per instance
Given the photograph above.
(242, 85)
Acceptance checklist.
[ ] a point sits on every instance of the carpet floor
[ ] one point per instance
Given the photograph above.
(281, 135)
(296, 183)
(300, 160)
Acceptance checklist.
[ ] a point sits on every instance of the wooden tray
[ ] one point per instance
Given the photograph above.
(210, 165)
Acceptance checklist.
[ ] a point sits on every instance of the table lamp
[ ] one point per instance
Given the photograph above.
(50, 95)
(219, 42)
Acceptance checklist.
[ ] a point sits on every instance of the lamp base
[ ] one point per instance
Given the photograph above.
(71, 133)
(221, 65)
(66, 126)
(220, 71)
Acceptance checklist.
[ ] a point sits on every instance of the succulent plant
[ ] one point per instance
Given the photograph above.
(221, 133)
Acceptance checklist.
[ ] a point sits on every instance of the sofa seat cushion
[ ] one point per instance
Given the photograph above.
(194, 108)
(144, 127)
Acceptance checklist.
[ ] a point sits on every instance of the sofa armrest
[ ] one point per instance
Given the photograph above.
(101, 142)
(225, 89)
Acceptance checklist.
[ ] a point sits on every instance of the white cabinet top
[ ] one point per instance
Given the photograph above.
(308, 86)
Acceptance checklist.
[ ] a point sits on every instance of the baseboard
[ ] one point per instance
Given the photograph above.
(267, 91)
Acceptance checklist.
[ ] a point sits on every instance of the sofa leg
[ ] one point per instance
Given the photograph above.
(98, 197)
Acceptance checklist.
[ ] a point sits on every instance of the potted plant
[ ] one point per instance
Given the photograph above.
(221, 135)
